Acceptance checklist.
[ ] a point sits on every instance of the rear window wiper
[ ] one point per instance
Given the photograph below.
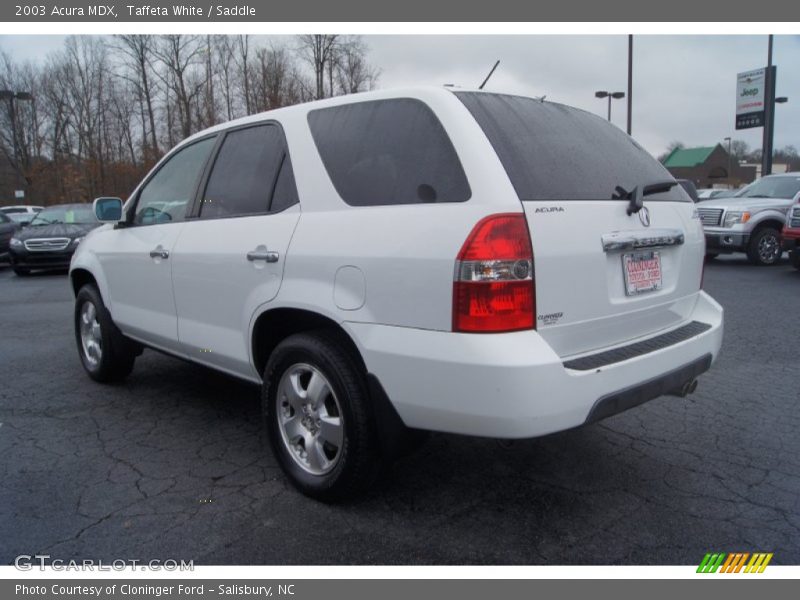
(637, 194)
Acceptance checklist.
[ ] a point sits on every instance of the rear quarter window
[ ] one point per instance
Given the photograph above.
(386, 152)
(554, 152)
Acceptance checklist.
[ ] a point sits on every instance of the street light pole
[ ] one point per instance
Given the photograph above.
(630, 83)
(769, 113)
(609, 95)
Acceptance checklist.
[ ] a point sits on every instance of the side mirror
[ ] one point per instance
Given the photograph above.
(108, 210)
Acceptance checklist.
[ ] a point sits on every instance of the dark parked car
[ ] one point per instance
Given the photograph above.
(7, 229)
(51, 237)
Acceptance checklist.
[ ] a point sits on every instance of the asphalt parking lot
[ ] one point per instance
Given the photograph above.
(172, 463)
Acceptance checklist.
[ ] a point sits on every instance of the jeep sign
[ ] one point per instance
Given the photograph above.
(750, 87)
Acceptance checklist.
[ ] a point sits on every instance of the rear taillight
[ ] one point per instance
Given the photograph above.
(493, 289)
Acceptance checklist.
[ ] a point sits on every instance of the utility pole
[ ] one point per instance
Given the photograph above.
(630, 82)
(769, 113)
(727, 139)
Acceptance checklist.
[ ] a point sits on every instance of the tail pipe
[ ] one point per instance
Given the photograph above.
(687, 388)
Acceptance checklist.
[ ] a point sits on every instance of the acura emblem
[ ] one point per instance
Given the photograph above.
(644, 216)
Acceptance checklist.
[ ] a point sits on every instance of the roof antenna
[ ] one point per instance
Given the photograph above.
(489, 75)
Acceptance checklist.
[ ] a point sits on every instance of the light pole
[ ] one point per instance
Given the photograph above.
(769, 112)
(10, 96)
(727, 139)
(630, 84)
(609, 95)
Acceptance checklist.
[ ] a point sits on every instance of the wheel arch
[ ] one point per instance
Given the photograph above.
(86, 268)
(274, 325)
(80, 277)
(773, 220)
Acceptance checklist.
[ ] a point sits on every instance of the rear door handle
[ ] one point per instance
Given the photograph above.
(159, 252)
(261, 253)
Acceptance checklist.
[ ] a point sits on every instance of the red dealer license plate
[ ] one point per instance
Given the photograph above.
(642, 272)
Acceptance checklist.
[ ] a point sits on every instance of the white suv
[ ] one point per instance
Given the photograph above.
(398, 261)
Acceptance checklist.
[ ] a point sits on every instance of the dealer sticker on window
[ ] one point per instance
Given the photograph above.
(642, 272)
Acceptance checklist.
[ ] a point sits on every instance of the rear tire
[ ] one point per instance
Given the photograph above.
(764, 248)
(319, 418)
(711, 255)
(21, 272)
(106, 354)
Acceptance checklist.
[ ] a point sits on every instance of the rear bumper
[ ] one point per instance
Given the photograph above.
(514, 385)
(639, 394)
(791, 238)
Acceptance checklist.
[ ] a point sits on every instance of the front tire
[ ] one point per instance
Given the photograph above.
(106, 354)
(764, 248)
(21, 272)
(319, 419)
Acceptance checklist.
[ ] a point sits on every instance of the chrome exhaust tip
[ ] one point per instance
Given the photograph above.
(687, 388)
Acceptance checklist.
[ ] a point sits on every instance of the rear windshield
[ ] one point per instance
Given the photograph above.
(554, 152)
(388, 152)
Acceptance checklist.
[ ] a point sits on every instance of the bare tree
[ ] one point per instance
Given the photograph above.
(85, 80)
(242, 58)
(138, 51)
(276, 80)
(353, 71)
(180, 54)
(224, 49)
(319, 52)
(102, 109)
(20, 138)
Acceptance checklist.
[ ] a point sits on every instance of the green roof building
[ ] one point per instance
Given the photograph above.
(707, 166)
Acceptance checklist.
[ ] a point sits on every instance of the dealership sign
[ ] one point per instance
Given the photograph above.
(750, 89)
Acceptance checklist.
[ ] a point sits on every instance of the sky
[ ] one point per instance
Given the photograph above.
(683, 86)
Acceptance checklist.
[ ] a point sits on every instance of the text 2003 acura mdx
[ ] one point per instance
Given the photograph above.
(460, 261)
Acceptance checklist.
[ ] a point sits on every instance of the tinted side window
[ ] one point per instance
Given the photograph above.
(554, 152)
(285, 190)
(244, 173)
(388, 152)
(165, 197)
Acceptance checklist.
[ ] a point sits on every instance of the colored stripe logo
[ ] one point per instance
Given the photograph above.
(734, 562)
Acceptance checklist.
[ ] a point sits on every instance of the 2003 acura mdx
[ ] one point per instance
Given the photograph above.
(425, 259)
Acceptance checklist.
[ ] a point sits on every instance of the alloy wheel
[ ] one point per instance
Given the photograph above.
(91, 334)
(768, 249)
(310, 419)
